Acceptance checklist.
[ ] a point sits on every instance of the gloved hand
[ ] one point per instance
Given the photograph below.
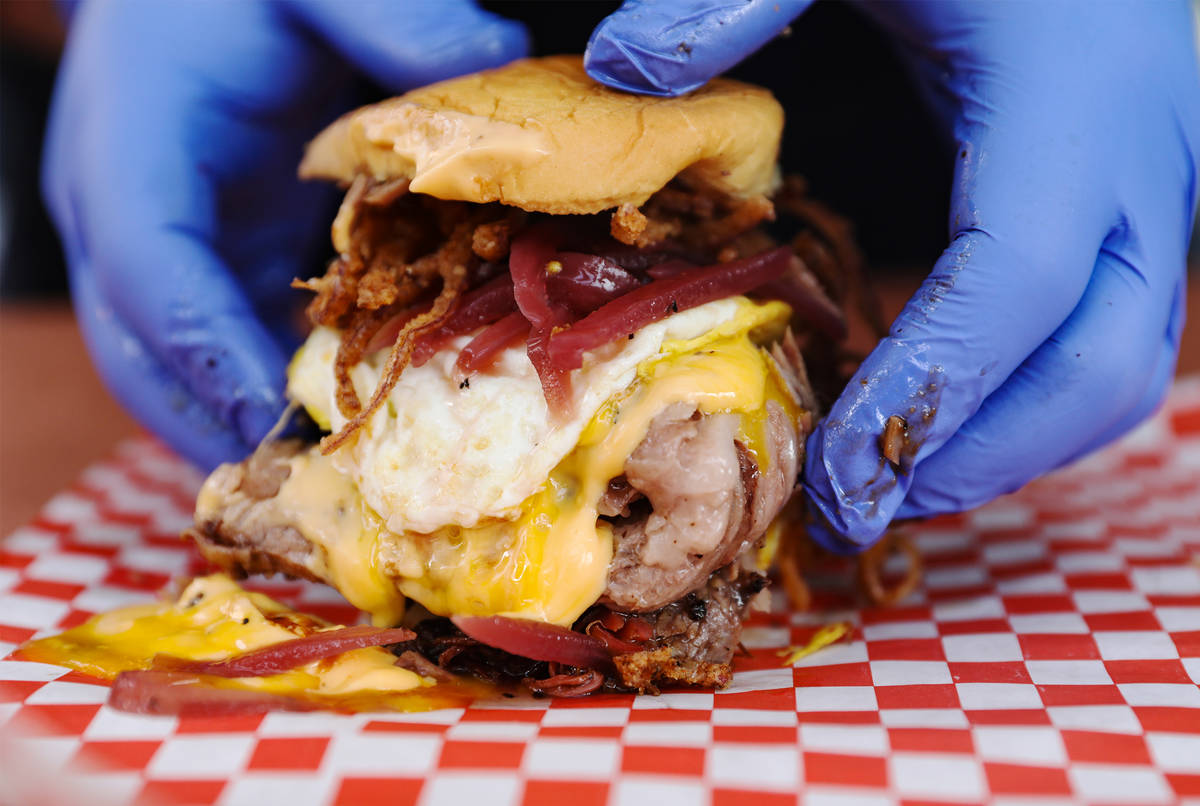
(1051, 323)
(170, 167)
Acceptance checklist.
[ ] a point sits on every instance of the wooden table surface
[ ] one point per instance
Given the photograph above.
(56, 418)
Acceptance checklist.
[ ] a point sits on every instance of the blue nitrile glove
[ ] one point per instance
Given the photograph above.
(1051, 324)
(170, 168)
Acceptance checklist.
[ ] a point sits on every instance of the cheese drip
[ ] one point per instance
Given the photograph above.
(549, 560)
(214, 619)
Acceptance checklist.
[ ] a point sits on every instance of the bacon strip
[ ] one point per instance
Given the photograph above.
(286, 655)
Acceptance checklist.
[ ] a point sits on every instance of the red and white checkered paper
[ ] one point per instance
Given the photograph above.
(1051, 655)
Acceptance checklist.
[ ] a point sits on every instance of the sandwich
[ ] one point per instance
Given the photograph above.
(560, 367)
(553, 363)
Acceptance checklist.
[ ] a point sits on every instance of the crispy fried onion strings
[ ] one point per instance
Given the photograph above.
(799, 595)
(363, 327)
(794, 554)
(870, 566)
(452, 262)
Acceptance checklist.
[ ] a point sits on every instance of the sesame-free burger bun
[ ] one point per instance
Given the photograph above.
(541, 135)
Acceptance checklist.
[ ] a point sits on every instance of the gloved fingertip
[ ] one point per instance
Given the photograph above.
(670, 47)
(154, 395)
(611, 59)
(841, 530)
(841, 522)
(232, 363)
(824, 535)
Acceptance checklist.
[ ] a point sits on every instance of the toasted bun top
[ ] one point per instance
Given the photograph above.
(541, 135)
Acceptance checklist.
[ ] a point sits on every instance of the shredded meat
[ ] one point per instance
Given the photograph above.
(742, 217)
(395, 248)
(414, 661)
(358, 334)
(245, 535)
(829, 248)
(675, 199)
(333, 295)
(617, 498)
(689, 642)
(704, 220)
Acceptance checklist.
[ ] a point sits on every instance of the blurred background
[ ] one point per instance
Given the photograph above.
(856, 129)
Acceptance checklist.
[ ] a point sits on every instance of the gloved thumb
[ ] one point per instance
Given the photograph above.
(406, 45)
(669, 47)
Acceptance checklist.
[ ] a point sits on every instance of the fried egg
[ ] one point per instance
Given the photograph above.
(444, 453)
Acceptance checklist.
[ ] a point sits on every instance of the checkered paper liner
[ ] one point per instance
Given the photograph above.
(1052, 654)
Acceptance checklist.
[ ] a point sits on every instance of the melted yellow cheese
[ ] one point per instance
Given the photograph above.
(214, 619)
(549, 560)
(349, 532)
